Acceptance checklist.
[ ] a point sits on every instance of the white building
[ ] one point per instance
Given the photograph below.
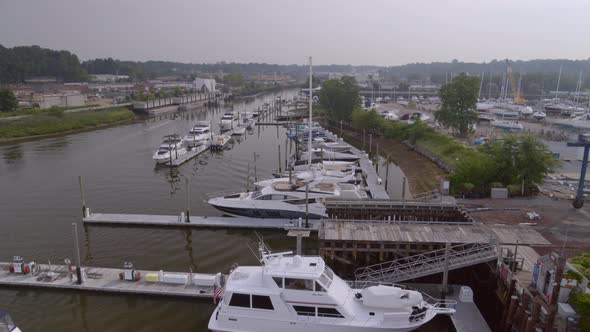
(205, 84)
(108, 77)
(60, 100)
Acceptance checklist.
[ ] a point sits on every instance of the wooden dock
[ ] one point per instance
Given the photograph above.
(102, 280)
(372, 179)
(195, 221)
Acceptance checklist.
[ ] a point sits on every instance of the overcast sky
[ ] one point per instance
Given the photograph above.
(373, 32)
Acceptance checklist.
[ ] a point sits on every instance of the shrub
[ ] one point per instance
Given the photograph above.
(514, 189)
(496, 185)
(581, 303)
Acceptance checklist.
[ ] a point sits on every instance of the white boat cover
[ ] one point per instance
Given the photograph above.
(390, 297)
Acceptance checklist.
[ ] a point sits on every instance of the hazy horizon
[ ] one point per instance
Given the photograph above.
(373, 33)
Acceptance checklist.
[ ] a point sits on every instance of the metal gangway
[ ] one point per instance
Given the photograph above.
(449, 258)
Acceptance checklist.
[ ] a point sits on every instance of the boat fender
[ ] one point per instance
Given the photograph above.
(138, 276)
(11, 268)
(121, 276)
(27, 269)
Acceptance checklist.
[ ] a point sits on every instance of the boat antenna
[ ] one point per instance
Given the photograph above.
(310, 104)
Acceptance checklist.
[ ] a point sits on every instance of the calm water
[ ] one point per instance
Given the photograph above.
(39, 200)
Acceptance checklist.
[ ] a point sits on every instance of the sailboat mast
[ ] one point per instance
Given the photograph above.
(310, 121)
(558, 80)
(480, 85)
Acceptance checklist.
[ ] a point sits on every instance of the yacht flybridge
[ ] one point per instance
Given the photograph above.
(301, 293)
(199, 135)
(284, 199)
(229, 120)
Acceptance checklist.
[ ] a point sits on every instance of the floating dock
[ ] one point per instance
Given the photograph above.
(105, 280)
(187, 156)
(372, 179)
(196, 221)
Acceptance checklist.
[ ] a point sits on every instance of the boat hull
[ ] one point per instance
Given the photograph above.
(264, 213)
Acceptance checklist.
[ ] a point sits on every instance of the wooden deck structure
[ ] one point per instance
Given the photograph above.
(361, 243)
(441, 209)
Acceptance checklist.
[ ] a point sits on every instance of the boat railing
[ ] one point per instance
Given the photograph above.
(224, 193)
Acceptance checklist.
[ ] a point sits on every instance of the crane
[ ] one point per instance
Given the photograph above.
(515, 90)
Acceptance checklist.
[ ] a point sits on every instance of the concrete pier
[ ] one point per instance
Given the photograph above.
(195, 221)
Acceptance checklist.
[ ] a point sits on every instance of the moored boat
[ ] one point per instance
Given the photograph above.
(301, 293)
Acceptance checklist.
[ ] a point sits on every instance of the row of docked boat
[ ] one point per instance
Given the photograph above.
(175, 148)
(331, 172)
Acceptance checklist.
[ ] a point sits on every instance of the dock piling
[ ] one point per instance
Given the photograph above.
(82, 196)
(307, 204)
(387, 174)
(446, 270)
(279, 157)
(77, 253)
(404, 189)
(188, 199)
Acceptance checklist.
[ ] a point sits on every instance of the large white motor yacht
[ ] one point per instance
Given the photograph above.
(171, 148)
(301, 293)
(199, 135)
(284, 199)
(229, 120)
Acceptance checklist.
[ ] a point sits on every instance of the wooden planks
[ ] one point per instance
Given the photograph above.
(365, 231)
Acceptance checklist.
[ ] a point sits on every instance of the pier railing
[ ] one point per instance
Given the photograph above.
(433, 262)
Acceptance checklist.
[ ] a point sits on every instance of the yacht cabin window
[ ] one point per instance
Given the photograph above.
(317, 311)
(278, 281)
(240, 300)
(329, 312)
(262, 302)
(299, 284)
(251, 301)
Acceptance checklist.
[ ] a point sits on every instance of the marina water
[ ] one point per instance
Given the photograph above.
(39, 200)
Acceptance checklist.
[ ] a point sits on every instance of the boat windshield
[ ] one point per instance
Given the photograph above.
(6, 323)
(256, 194)
(326, 277)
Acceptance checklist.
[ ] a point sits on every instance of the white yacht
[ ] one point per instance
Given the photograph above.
(539, 115)
(315, 174)
(328, 155)
(199, 135)
(171, 148)
(302, 294)
(228, 121)
(284, 199)
(6, 323)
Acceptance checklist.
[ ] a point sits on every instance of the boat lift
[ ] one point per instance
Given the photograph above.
(584, 142)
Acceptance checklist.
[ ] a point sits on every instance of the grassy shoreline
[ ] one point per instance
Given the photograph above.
(43, 125)
(422, 174)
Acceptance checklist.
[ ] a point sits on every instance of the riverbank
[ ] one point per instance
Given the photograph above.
(43, 125)
(422, 174)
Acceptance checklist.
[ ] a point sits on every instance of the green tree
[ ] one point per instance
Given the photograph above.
(234, 79)
(458, 108)
(403, 86)
(518, 161)
(340, 97)
(8, 102)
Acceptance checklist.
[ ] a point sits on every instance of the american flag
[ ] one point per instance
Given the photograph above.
(217, 294)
